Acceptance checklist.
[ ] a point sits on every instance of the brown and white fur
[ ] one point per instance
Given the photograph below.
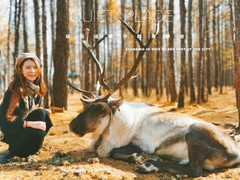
(122, 130)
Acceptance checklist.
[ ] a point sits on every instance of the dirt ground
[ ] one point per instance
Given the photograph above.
(66, 156)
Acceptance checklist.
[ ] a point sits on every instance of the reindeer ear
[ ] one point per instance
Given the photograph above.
(115, 104)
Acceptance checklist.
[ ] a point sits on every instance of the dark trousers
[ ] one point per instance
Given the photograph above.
(29, 141)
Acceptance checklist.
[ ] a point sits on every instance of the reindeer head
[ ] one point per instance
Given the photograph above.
(98, 109)
(95, 117)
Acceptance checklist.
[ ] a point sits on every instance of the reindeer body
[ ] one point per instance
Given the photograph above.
(146, 126)
(176, 136)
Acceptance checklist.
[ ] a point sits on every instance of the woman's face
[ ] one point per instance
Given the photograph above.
(30, 70)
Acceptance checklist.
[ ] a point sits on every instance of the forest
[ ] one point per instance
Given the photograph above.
(194, 56)
(189, 56)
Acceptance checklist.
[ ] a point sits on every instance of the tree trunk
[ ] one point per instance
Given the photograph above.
(182, 81)
(172, 86)
(92, 41)
(17, 19)
(160, 36)
(214, 47)
(135, 91)
(203, 63)
(148, 58)
(8, 43)
(37, 28)
(24, 19)
(122, 61)
(86, 25)
(166, 80)
(232, 31)
(157, 57)
(219, 78)
(199, 65)
(233, 39)
(208, 72)
(237, 45)
(142, 63)
(96, 32)
(44, 40)
(80, 47)
(190, 65)
(52, 12)
(61, 54)
(109, 48)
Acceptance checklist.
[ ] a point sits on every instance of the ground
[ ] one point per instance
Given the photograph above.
(66, 156)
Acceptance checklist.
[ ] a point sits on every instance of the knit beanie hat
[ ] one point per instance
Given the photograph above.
(23, 56)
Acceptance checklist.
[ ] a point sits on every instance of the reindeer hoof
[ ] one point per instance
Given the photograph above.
(147, 167)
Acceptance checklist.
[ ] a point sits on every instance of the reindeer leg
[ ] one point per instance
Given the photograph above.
(158, 166)
(129, 153)
(196, 155)
(197, 150)
(204, 145)
(193, 169)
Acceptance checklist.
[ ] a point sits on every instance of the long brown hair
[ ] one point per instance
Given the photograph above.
(17, 84)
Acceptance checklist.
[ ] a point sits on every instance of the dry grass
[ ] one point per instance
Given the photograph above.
(66, 156)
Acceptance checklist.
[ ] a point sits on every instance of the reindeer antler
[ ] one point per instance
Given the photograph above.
(102, 70)
(101, 81)
(86, 93)
(139, 57)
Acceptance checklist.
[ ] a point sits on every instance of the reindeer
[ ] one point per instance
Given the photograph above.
(124, 130)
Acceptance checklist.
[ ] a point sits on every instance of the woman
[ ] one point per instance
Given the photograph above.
(23, 123)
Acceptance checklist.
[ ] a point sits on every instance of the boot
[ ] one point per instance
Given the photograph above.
(5, 156)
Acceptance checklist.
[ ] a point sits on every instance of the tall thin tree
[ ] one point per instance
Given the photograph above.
(139, 9)
(17, 20)
(172, 85)
(233, 36)
(215, 46)
(219, 77)
(237, 45)
(86, 25)
(37, 28)
(190, 63)
(96, 27)
(45, 57)
(8, 41)
(159, 69)
(61, 54)
(93, 41)
(135, 91)
(52, 14)
(24, 20)
(209, 85)
(122, 59)
(182, 80)
(199, 63)
(108, 30)
(203, 62)
(148, 56)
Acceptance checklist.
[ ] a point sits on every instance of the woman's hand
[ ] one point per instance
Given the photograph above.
(49, 111)
(36, 125)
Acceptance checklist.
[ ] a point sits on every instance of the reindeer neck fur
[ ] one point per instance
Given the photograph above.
(128, 118)
(118, 131)
(97, 135)
(125, 121)
(119, 122)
